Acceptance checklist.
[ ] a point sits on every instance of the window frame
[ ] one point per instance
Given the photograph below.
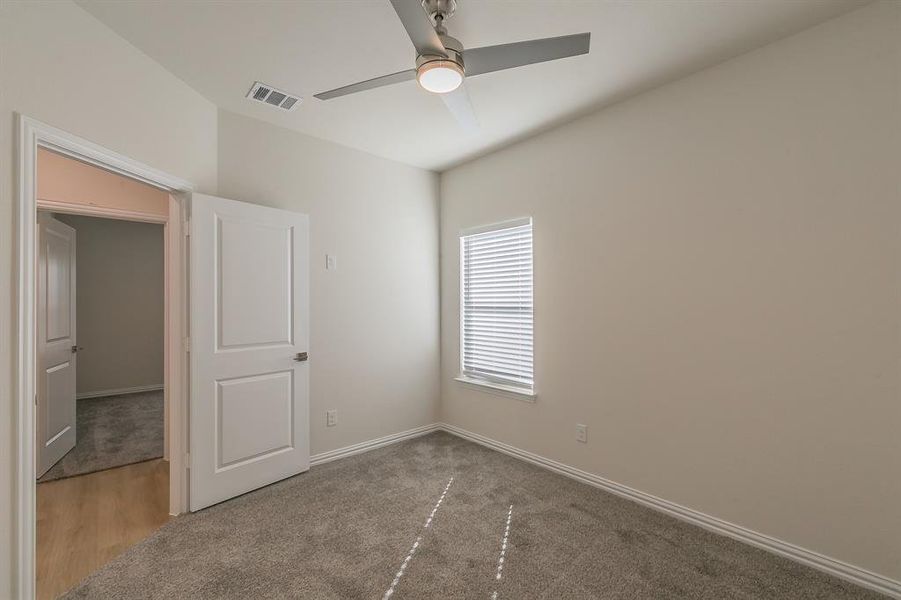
(487, 383)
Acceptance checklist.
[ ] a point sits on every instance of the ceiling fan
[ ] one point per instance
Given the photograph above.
(442, 63)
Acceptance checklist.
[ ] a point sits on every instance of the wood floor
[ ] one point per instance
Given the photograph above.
(85, 521)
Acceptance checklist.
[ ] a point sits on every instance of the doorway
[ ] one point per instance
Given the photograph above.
(248, 344)
(102, 473)
(39, 142)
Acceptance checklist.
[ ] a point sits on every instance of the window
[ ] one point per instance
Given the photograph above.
(496, 306)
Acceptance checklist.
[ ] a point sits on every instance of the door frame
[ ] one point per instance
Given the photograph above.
(33, 134)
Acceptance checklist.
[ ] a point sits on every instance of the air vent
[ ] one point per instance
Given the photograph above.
(260, 92)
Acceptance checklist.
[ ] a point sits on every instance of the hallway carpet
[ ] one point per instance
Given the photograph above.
(440, 517)
(113, 431)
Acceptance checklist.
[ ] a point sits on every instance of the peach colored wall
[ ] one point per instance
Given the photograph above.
(65, 180)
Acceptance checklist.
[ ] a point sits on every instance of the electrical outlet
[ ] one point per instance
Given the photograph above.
(582, 433)
(331, 262)
(331, 418)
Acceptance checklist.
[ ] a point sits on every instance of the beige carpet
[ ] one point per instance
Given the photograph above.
(427, 518)
(113, 431)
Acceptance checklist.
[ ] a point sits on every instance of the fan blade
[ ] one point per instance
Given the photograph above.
(368, 84)
(419, 27)
(459, 104)
(518, 54)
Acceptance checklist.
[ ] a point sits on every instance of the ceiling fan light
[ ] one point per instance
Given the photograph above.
(440, 76)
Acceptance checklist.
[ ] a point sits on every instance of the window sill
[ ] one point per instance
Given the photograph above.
(499, 388)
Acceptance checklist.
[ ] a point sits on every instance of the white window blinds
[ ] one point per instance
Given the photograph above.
(496, 302)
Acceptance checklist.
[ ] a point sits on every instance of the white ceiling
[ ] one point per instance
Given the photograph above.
(220, 48)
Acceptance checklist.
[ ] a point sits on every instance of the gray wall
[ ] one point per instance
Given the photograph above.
(717, 290)
(120, 308)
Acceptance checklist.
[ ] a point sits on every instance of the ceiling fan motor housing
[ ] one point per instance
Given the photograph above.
(454, 53)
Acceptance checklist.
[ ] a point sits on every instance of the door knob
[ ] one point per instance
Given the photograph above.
(300, 356)
(76, 349)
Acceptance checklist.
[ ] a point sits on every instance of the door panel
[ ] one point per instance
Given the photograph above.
(59, 405)
(255, 417)
(56, 341)
(255, 275)
(249, 313)
(59, 281)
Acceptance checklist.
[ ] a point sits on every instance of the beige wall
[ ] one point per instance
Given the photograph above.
(716, 268)
(61, 66)
(374, 320)
(119, 303)
(718, 290)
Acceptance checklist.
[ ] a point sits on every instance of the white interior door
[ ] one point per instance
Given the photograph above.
(56, 349)
(249, 272)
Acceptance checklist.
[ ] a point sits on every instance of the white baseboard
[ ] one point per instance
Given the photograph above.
(119, 391)
(818, 561)
(845, 571)
(324, 457)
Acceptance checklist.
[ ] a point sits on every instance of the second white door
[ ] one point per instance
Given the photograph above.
(56, 346)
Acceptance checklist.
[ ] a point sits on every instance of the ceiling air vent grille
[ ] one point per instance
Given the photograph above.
(260, 92)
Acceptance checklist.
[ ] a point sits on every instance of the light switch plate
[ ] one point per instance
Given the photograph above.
(331, 418)
(331, 262)
(582, 433)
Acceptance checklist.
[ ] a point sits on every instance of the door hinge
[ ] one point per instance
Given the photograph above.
(187, 227)
(187, 343)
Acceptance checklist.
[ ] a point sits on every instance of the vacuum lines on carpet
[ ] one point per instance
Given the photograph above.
(500, 559)
(428, 523)
(406, 563)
